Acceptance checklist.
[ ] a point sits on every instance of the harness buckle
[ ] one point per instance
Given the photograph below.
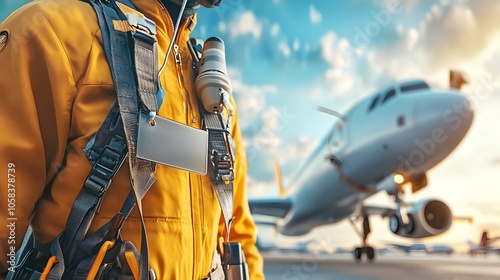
(223, 167)
(141, 23)
(106, 166)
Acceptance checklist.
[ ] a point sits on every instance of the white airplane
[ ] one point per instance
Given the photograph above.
(391, 138)
(422, 247)
(485, 245)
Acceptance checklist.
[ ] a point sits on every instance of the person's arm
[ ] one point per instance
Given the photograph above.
(36, 91)
(243, 227)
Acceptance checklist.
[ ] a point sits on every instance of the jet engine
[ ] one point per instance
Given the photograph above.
(426, 218)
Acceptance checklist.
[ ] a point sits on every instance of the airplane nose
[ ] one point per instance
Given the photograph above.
(444, 117)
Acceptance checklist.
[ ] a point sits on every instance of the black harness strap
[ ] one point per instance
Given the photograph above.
(90, 197)
(107, 158)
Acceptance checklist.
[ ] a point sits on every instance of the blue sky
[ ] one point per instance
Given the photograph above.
(287, 57)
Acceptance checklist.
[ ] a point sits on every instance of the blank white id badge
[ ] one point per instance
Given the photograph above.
(174, 144)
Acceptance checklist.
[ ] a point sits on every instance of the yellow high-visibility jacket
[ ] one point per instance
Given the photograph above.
(55, 91)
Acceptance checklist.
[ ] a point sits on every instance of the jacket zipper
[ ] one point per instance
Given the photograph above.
(180, 79)
(178, 61)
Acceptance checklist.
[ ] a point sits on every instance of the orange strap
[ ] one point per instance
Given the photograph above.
(98, 259)
(48, 267)
(132, 263)
(221, 245)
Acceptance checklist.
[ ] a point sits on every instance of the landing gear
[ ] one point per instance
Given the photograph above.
(370, 253)
(365, 249)
(368, 250)
(358, 253)
(396, 224)
(401, 220)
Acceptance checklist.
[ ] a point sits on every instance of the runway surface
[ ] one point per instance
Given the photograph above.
(386, 267)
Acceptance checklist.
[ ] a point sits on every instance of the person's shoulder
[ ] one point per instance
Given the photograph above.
(64, 16)
(67, 9)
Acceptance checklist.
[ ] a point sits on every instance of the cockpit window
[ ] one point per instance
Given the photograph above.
(390, 94)
(414, 87)
(374, 103)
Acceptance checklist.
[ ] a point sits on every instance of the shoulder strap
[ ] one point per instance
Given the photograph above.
(145, 50)
(118, 134)
(221, 147)
(221, 158)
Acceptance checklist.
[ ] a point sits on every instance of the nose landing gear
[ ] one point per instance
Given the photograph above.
(368, 250)
(365, 248)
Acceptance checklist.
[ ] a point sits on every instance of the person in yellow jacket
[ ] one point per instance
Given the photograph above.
(56, 89)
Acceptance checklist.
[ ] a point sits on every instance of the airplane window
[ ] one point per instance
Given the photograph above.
(390, 94)
(374, 103)
(414, 87)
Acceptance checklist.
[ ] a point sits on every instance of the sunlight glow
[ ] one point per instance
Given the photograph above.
(399, 179)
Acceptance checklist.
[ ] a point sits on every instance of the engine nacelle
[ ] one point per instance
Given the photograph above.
(427, 218)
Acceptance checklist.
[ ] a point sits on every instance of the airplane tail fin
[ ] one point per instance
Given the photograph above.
(458, 79)
(279, 179)
(484, 239)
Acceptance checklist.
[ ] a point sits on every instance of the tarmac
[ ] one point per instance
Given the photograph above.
(392, 266)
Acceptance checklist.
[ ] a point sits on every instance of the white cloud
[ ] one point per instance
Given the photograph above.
(246, 24)
(285, 49)
(222, 27)
(339, 81)
(268, 137)
(296, 45)
(463, 36)
(251, 98)
(257, 188)
(336, 53)
(271, 118)
(444, 2)
(315, 92)
(315, 15)
(275, 29)
(203, 31)
(460, 32)
(299, 150)
(397, 5)
(411, 39)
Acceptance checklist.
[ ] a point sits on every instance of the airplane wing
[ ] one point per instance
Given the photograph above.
(275, 207)
(405, 248)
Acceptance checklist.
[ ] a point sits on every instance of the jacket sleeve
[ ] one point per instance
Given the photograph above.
(243, 228)
(36, 88)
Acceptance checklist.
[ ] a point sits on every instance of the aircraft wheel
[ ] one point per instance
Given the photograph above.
(394, 224)
(370, 253)
(410, 227)
(358, 252)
